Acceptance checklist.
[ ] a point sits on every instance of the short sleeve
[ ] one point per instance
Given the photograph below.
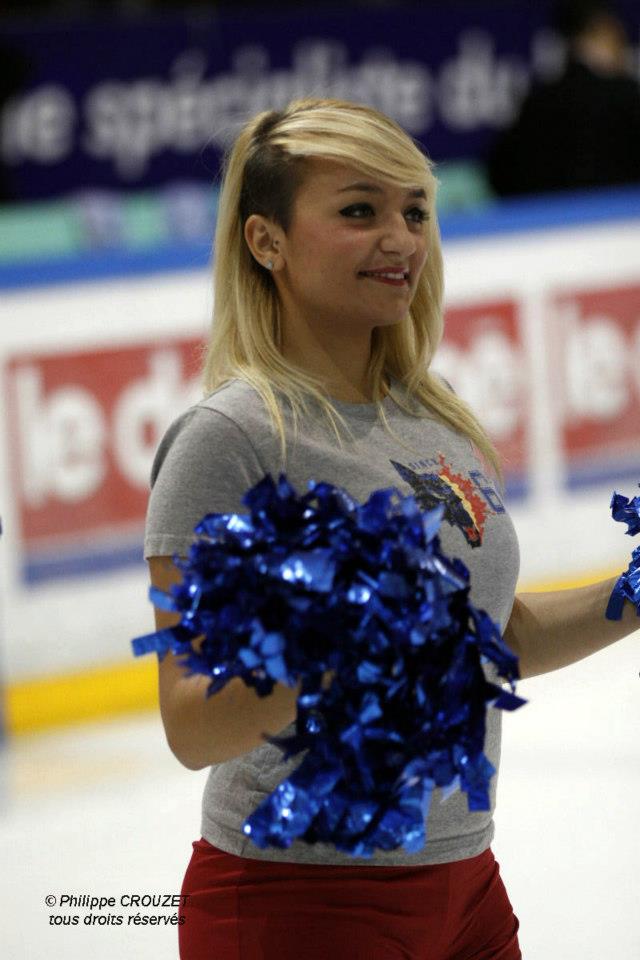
(205, 464)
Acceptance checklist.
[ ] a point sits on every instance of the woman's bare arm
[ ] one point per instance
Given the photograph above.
(553, 629)
(202, 731)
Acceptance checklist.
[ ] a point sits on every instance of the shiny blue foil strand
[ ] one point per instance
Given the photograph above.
(627, 587)
(304, 585)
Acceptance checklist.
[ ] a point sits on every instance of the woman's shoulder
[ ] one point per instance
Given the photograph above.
(223, 424)
(229, 392)
(237, 400)
(230, 408)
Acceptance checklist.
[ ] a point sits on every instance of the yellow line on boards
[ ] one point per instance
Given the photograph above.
(35, 705)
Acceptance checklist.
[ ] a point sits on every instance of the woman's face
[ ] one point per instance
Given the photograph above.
(345, 226)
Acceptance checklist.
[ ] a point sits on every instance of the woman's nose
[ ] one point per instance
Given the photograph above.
(397, 237)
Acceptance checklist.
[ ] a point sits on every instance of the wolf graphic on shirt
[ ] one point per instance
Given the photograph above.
(467, 500)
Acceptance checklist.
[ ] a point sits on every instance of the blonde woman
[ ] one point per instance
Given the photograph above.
(327, 314)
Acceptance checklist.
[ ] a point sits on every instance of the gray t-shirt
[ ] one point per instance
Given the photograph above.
(220, 447)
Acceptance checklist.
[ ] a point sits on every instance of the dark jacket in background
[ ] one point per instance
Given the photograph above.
(580, 131)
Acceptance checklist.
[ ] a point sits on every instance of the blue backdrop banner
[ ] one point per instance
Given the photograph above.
(135, 103)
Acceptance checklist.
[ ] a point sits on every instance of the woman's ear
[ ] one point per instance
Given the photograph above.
(263, 240)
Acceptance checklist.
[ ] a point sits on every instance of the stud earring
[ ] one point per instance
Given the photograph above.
(269, 264)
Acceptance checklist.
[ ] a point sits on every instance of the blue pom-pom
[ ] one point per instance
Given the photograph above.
(305, 586)
(628, 584)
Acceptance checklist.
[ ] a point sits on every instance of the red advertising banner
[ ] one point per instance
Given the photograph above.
(483, 356)
(595, 338)
(84, 426)
(83, 430)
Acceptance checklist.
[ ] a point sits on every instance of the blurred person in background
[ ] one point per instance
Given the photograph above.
(581, 130)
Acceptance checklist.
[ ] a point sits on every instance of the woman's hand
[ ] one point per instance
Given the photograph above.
(202, 730)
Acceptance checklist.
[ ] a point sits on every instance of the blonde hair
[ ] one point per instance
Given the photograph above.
(262, 174)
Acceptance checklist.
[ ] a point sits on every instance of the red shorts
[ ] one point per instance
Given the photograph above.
(243, 909)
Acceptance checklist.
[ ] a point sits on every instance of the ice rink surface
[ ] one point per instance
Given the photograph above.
(106, 810)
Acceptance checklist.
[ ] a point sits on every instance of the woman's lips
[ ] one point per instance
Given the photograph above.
(381, 279)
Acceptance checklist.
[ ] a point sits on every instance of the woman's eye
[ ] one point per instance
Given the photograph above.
(422, 215)
(355, 209)
(361, 210)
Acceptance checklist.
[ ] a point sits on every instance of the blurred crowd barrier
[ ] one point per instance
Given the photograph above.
(107, 221)
(98, 354)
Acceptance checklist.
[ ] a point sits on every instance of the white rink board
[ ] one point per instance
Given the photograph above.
(90, 619)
